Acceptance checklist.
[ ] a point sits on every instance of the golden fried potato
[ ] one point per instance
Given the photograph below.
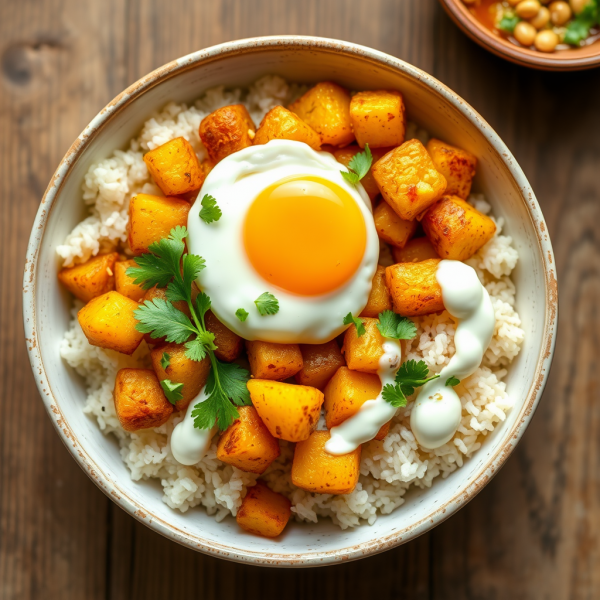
(415, 250)
(378, 118)
(229, 345)
(91, 278)
(175, 167)
(151, 218)
(193, 374)
(326, 108)
(364, 352)
(247, 443)
(414, 287)
(456, 165)
(124, 284)
(290, 412)
(346, 392)
(379, 298)
(315, 470)
(345, 155)
(140, 402)
(320, 362)
(457, 230)
(409, 180)
(273, 361)
(390, 227)
(108, 322)
(227, 130)
(263, 511)
(281, 124)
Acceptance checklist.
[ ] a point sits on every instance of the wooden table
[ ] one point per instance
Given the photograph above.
(532, 533)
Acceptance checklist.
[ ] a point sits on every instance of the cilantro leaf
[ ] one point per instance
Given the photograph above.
(393, 395)
(396, 327)
(181, 286)
(202, 304)
(452, 381)
(232, 379)
(578, 28)
(358, 166)
(413, 374)
(210, 211)
(350, 319)
(508, 23)
(173, 391)
(267, 304)
(241, 314)
(160, 318)
(215, 409)
(165, 361)
(196, 349)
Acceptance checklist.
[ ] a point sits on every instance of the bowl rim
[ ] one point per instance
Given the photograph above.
(225, 550)
(480, 34)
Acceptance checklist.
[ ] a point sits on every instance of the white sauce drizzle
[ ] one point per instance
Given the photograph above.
(436, 414)
(188, 444)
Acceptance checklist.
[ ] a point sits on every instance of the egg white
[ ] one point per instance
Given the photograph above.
(229, 278)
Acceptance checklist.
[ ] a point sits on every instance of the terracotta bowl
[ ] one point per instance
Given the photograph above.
(575, 59)
(301, 59)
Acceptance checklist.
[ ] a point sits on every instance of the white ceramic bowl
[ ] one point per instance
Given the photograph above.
(301, 59)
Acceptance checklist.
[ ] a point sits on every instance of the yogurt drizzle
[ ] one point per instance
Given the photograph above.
(436, 414)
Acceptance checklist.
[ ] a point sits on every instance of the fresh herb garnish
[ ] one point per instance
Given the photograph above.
(166, 265)
(350, 319)
(241, 314)
(392, 325)
(410, 375)
(210, 211)
(579, 28)
(267, 304)
(452, 381)
(173, 391)
(358, 166)
(165, 361)
(508, 23)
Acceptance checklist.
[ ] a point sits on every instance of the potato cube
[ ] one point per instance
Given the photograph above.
(227, 130)
(415, 251)
(457, 230)
(193, 374)
(379, 298)
(281, 124)
(409, 180)
(175, 167)
(378, 118)
(345, 155)
(91, 278)
(229, 345)
(247, 443)
(456, 165)
(290, 412)
(414, 287)
(346, 392)
(363, 353)
(273, 361)
(390, 227)
(161, 293)
(108, 322)
(326, 108)
(263, 511)
(151, 218)
(320, 362)
(140, 402)
(124, 284)
(315, 470)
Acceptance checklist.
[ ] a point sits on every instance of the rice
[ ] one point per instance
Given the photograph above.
(388, 467)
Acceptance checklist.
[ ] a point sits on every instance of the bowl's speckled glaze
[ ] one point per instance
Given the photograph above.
(301, 59)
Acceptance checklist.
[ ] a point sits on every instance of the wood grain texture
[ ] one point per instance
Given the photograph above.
(532, 533)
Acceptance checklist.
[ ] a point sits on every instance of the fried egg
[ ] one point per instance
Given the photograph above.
(291, 226)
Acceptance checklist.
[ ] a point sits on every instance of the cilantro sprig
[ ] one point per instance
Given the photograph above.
(410, 375)
(579, 28)
(508, 22)
(392, 325)
(350, 319)
(358, 166)
(210, 211)
(168, 265)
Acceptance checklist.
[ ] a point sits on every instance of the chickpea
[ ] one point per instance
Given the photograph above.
(546, 40)
(541, 19)
(578, 5)
(560, 13)
(526, 9)
(525, 33)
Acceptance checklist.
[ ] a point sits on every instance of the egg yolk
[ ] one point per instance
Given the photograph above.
(305, 235)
